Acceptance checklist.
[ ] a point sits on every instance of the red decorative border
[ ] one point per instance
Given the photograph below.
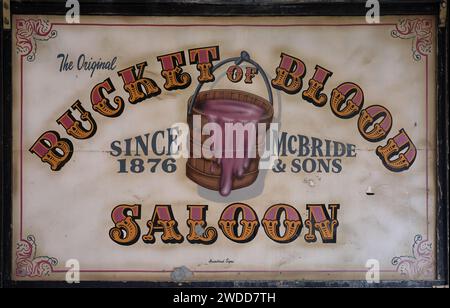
(422, 52)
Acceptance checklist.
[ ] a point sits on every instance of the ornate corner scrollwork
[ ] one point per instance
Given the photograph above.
(28, 31)
(420, 264)
(28, 264)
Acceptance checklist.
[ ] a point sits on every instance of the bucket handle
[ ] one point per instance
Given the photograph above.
(244, 57)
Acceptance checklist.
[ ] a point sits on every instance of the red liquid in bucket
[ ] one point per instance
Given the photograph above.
(221, 112)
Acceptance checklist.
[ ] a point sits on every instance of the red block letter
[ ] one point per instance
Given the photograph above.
(53, 150)
(290, 73)
(203, 57)
(172, 71)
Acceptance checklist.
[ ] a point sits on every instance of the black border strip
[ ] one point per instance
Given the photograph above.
(5, 154)
(218, 8)
(2, 158)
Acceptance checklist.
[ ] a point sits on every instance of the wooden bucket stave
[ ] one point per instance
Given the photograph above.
(205, 171)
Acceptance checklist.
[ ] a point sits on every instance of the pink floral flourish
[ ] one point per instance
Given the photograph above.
(420, 264)
(28, 31)
(420, 31)
(27, 264)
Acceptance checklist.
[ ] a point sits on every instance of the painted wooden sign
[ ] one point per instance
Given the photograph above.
(188, 148)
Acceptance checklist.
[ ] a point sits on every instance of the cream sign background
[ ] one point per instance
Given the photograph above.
(66, 214)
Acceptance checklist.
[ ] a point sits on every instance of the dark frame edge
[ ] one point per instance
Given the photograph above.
(228, 8)
(5, 155)
(230, 284)
(442, 142)
(2, 223)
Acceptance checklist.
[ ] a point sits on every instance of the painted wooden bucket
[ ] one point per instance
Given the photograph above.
(206, 172)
